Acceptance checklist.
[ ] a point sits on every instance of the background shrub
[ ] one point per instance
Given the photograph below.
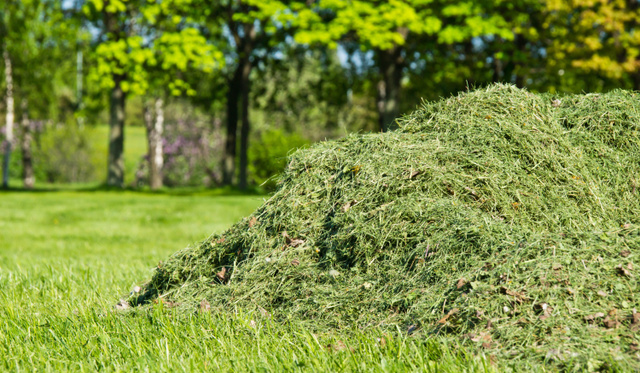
(268, 155)
(62, 154)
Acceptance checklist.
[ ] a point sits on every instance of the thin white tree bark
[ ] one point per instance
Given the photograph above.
(28, 176)
(8, 73)
(155, 128)
(158, 159)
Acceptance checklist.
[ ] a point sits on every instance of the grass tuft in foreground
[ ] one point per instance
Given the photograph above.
(498, 220)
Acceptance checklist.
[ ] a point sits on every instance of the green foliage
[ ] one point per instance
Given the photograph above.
(149, 57)
(81, 159)
(469, 19)
(39, 38)
(600, 36)
(119, 58)
(65, 154)
(377, 25)
(314, 89)
(268, 155)
(385, 25)
(75, 162)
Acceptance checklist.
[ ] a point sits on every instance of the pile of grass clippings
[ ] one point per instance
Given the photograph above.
(504, 220)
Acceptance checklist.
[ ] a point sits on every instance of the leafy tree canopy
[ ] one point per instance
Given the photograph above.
(152, 43)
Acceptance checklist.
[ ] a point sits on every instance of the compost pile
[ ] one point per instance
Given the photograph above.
(498, 218)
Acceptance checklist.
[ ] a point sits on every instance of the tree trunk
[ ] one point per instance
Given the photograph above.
(155, 129)
(497, 69)
(389, 87)
(245, 128)
(28, 176)
(9, 119)
(245, 65)
(229, 157)
(380, 103)
(511, 71)
(115, 160)
(147, 117)
(78, 106)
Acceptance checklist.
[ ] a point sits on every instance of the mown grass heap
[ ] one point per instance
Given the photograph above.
(507, 218)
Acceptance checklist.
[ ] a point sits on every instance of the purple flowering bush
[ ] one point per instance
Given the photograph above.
(192, 151)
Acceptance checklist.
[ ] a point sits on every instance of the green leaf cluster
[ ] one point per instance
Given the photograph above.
(152, 56)
(39, 37)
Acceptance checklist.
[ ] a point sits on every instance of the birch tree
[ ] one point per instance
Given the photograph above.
(8, 132)
(35, 37)
(140, 39)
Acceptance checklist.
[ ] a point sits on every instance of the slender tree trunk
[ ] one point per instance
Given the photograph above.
(115, 160)
(633, 6)
(28, 176)
(517, 68)
(79, 75)
(245, 129)
(389, 87)
(520, 80)
(511, 71)
(155, 129)
(147, 116)
(381, 99)
(246, 126)
(8, 73)
(229, 157)
(497, 69)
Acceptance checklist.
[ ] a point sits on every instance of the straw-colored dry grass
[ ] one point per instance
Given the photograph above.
(502, 220)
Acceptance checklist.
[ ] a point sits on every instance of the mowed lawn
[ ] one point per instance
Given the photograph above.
(66, 258)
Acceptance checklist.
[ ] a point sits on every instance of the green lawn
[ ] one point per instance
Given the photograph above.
(67, 257)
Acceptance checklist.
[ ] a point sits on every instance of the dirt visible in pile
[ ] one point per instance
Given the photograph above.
(504, 220)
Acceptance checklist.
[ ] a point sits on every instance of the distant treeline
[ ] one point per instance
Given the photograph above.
(225, 88)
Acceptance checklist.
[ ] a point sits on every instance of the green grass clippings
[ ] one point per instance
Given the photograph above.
(500, 220)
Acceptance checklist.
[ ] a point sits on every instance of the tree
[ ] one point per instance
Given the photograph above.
(178, 52)
(141, 45)
(8, 143)
(382, 27)
(600, 39)
(311, 93)
(154, 123)
(483, 42)
(11, 26)
(394, 32)
(36, 37)
(244, 34)
(118, 59)
(250, 27)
